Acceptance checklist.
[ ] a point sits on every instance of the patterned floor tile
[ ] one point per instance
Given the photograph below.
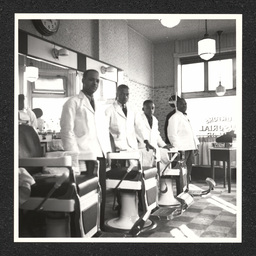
(190, 214)
(183, 218)
(198, 233)
(227, 213)
(199, 205)
(222, 223)
(232, 232)
(193, 209)
(204, 220)
(195, 226)
(215, 212)
(219, 229)
(213, 234)
(212, 208)
(226, 218)
(174, 223)
(231, 235)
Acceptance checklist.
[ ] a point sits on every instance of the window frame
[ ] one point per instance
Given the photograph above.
(47, 94)
(206, 92)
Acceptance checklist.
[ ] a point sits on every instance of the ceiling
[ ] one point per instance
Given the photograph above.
(153, 30)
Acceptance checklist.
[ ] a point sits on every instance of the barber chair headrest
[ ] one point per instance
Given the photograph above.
(29, 145)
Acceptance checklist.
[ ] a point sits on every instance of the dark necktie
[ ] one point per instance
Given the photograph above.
(150, 121)
(124, 109)
(92, 103)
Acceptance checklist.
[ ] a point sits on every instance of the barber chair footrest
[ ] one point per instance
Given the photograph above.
(113, 225)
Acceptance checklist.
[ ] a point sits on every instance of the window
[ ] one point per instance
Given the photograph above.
(49, 86)
(200, 78)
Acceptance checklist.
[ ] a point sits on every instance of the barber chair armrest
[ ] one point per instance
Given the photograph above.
(127, 155)
(65, 161)
(149, 172)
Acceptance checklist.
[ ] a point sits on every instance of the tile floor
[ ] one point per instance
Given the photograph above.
(212, 216)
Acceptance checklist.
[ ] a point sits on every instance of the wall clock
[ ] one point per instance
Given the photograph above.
(46, 27)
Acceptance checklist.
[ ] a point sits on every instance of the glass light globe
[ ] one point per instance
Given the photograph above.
(220, 90)
(206, 48)
(31, 73)
(170, 22)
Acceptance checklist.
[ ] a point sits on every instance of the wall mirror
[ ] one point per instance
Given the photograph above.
(55, 84)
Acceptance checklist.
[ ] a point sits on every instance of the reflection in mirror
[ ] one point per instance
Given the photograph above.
(50, 91)
(54, 86)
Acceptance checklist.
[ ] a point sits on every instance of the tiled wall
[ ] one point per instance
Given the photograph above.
(163, 81)
(138, 94)
(161, 97)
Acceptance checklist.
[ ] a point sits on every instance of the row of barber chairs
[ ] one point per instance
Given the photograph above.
(70, 203)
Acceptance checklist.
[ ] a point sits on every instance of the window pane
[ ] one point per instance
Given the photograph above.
(220, 70)
(193, 77)
(49, 84)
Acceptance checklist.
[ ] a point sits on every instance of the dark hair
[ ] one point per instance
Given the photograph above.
(172, 98)
(148, 102)
(38, 112)
(21, 97)
(87, 71)
(122, 86)
(21, 101)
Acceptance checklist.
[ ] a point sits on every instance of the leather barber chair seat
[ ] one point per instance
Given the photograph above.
(68, 204)
(136, 184)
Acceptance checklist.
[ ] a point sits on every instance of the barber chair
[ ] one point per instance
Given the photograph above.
(134, 182)
(68, 203)
(175, 169)
(170, 206)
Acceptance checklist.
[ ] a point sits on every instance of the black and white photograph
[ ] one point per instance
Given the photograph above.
(128, 128)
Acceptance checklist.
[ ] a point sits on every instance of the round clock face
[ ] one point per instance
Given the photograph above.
(46, 27)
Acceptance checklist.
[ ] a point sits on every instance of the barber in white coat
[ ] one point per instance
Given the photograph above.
(181, 135)
(148, 133)
(121, 121)
(82, 129)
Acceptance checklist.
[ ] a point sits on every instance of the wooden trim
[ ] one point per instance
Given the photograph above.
(81, 62)
(206, 70)
(23, 42)
(191, 95)
(217, 56)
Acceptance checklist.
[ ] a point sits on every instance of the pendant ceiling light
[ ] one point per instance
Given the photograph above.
(206, 46)
(170, 22)
(220, 89)
(31, 73)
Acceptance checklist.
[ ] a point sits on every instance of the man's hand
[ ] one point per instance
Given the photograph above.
(168, 146)
(148, 145)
